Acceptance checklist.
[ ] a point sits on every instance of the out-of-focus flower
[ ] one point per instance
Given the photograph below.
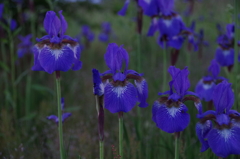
(13, 24)
(106, 32)
(64, 115)
(56, 51)
(25, 45)
(206, 85)
(87, 33)
(170, 113)
(1, 10)
(119, 94)
(224, 137)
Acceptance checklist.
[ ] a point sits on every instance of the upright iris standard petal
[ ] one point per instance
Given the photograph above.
(122, 12)
(115, 57)
(224, 142)
(166, 6)
(202, 130)
(142, 91)
(223, 97)
(214, 68)
(120, 98)
(171, 119)
(64, 24)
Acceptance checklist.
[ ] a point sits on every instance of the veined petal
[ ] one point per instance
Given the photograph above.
(202, 129)
(224, 142)
(52, 24)
(65, 116)
(64, 24)
(171, 119)
(120, 98)
(122, 12)
(37, 66)
(205, 90)
(142, 91)
(223, 97)
(57, 59)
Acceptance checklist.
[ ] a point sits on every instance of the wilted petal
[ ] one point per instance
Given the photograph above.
(120, 98)
(202, 130)
(65, 116)
(57, 59)
(171, 119)
(223, 97)
(122, 12)
(224, 142)
(53, 117)
(142, 91)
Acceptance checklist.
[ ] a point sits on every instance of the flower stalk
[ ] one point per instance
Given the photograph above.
(120, 118)
(60, 129)
(177, 134)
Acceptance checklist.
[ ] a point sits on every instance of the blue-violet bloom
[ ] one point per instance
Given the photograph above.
(25, 46)
(56, 51)
(119, 94)
(224, 136)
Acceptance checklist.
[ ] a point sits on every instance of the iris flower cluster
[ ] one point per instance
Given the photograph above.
(223, 137)
(206, 85)
(225, 51)
(169, 112)
(120, 95)
(56, 51)
(106, 32)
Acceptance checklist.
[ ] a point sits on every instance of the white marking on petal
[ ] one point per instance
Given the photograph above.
(57, 53)
(167, 22)
(139, 86)
(74, 49)
(226, 52)
(147, 1)
(207, 86)
(225, 133)
(173, 111)
(119, 90)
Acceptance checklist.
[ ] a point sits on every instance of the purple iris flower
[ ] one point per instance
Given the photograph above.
(1, 10)
(25, 46)
(142, 3)
(104, 36)
(224, 136)
(206, 85)
(119, 94)
(98, 86)
(56, 51)
(64, 115)
(170, 113)
(87, 33)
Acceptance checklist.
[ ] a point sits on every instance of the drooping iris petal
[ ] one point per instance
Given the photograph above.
(65, 116)
(214, 68)
(53, 117)
(224, 142)
(122, 12)
(120, 98)
(205, 90)
(142, 91)
(202, 130)
(225, 57)
(56, 60)
(223, 97)
(37, 66)
(175, 42)
(171, 119)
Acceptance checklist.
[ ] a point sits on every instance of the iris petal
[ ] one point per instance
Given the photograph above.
(122, 12)
(142, 91)
(202, 130)
(120, 98)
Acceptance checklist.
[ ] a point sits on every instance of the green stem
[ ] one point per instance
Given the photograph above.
(164, 67)
(5, 72)
(60, 129)
(120, 117)
(236, 49)
(101, 149)
(176, 147)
